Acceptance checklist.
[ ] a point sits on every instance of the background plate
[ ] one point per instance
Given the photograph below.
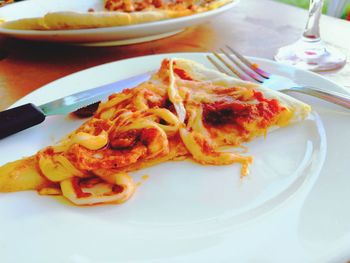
(190, 213)
(134, 33)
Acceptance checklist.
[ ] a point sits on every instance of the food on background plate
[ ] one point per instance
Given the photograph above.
(116, 13)
(185, 111)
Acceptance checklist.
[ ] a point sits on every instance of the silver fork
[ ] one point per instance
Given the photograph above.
(234, 64)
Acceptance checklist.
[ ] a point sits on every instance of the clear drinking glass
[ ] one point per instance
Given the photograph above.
(310, 52)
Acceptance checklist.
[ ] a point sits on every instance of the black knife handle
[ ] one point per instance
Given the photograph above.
(19, 118)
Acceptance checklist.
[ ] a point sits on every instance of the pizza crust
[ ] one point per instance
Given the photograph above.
(34, 23)
(74, 20)
(86, 20)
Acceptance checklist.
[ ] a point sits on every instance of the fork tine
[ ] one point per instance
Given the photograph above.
(254, 67)
(232, 69)
(221, 69)
(243, 67)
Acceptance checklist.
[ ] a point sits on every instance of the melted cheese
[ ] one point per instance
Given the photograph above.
(57, 167)
(174, 95)
(92, 142)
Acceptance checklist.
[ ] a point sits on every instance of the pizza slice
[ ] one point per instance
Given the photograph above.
(116, 13)
(185, 111)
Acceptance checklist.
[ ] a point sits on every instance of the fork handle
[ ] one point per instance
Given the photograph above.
(330, 96)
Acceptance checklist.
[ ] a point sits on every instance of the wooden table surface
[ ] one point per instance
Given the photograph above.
(254, 27)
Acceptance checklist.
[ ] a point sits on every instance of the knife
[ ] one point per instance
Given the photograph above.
(25, 116)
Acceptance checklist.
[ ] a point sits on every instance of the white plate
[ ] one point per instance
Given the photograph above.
(291, 208)
(121, 35)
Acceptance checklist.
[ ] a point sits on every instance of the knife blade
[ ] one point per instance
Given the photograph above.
(25, 116)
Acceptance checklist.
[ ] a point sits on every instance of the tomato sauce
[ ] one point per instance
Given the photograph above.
(227, 112)
(77, 189)
(238, 113)
(148, 135)
(182, 74)
(117, 189)
(178, 71)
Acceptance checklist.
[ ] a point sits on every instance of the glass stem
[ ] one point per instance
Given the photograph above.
(312, 30)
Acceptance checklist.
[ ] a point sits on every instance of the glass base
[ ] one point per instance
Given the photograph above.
(314, 56)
